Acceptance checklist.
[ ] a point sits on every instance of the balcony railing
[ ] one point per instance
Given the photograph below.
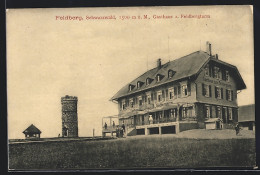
(109, 128)
(157, 121)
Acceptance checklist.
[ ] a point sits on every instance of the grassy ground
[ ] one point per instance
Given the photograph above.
(135, 152)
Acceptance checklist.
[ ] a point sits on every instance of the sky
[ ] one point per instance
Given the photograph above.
(48, 58)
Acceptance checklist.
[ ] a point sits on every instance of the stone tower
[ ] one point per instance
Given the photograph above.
(69, 116)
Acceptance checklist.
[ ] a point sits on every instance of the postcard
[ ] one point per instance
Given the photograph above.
(130, 88)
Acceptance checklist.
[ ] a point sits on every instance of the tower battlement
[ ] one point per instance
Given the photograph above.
(68, 98)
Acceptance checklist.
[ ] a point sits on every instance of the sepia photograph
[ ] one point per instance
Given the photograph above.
(124, 88)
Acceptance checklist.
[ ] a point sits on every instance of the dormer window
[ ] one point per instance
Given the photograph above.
(139, 84)
(159, 77)
(131, 87)
(170, 73)
(148, 81)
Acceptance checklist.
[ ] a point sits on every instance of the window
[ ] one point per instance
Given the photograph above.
(131, 102)
(219, 114)
(140, 102)
(229, 95)
(131, 87)
(158, 78)
(227, 75)
(208, 111)
(147, 81)
(206, 90)
(159, 96)
(216, 72)
(230, 114)
(207, 70)
(149, 100)
(218, 93)
(185, 113)
(173, 113)
(123, 106)
(171, 93)
(184, 90)
(138, 84)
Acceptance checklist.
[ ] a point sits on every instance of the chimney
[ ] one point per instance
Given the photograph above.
(159, 64)
(216, 56)
(208, 45)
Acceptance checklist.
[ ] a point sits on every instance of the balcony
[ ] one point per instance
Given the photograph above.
(157, 121)
(109, 129)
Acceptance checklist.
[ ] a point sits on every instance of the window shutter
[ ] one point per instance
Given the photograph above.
(232, 96)
(179, 91)
(205, 111)
(226, 94)
(155, 96)
(166, 93)
(210, 90)
(203, 89)
(210, 109)
(216, 93)
(189, 88)
(163, 95)
(145, 98)
(221, 93)
(224, 75)
(175, 91)
(152, 96)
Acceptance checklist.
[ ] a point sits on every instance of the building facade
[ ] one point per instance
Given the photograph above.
(69, 116)
(182, 94)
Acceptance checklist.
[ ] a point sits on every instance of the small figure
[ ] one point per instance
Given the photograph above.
(113, 124)
(105, 125)
(123, 127)
(117, 131)
(237, 128)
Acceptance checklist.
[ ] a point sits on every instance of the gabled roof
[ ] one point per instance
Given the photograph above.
(32, 130)
(246, 113)
(183, 67)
